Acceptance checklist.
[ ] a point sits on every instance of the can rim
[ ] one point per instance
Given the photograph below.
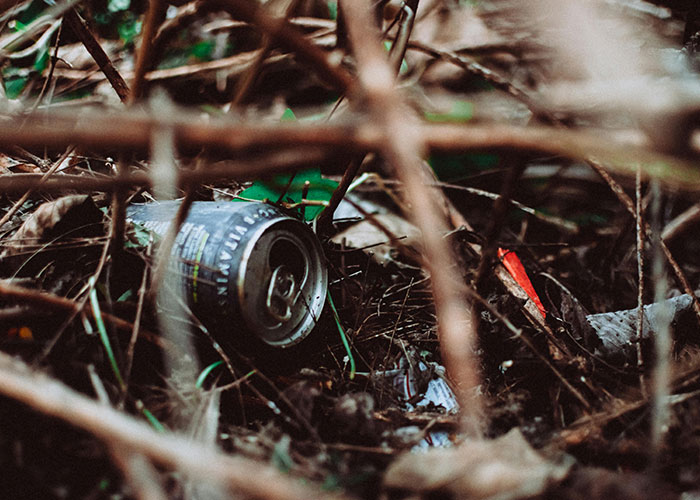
(318, 274)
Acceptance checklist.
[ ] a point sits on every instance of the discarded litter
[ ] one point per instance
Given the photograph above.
(410, 384)
(617, 330)
(245, 264)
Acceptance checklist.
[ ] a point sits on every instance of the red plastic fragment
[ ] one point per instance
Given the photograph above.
(512, 263)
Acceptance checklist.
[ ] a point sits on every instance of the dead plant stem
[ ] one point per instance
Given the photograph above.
(85, 35)
(144, 55)
(640, 278)
(403, 147)
(629, 205)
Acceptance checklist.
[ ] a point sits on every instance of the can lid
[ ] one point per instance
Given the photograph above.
(282, 282)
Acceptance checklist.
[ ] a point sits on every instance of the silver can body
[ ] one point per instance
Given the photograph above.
(246, 267)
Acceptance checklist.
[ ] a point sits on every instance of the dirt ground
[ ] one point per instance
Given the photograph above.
(490, 190)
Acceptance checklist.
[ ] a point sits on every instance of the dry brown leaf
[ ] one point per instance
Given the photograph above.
(375, 242)
(504, 468)
(43, 220)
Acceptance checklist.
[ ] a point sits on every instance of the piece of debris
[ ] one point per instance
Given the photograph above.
(503, 468)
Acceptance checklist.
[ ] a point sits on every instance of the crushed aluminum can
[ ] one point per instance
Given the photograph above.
(617, 330)
(245, 266)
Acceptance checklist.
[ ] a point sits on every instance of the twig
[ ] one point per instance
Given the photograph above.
(144, 56)
(82, 31)
(49, 301)
(130, 131)
(15, 40)
(640, 277)
(500, 210)
(18, 204)
(137, 325)
(249, 77)
(325, 218)
(629, 205)
(403, 147)
(494, 78)
(519, 334)
(681, 224)
(117, 429)
(18, 183)
(283, 33)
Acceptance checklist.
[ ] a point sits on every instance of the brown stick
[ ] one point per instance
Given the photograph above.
(629, 205)
(639, 223)
(253, 479)
(131, 131)
(82, 31)
(144, 56)
(246, 82)
(403, 147)
(49, 301)
(284, 33)
(18, 183)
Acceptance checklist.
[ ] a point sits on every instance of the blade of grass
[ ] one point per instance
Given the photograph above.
(155, 423)
(94, 303)
(205, 373)
(343, 336)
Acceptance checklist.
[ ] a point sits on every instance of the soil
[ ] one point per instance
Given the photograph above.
(335, 413)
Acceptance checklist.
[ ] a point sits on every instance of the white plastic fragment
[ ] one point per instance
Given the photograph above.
(407, 382)
(617, 330)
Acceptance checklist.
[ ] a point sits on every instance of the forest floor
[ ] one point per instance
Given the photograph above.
(485, 179)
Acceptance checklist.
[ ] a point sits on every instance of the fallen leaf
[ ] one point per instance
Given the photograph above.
(373, 241)
(41, 224)
(504, 468)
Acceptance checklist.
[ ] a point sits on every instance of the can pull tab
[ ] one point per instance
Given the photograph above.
(281, 294)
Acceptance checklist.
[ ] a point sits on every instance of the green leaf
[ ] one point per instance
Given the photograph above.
(271, 189)
(97, 315)
(142, 235)
(451, 167)
(332, 9)
(125, 296)
(461, 111)
(14, 87)
(36, 8)
(129, 28)
(118, 5)
(205, 373)
(288, 116)
(42, 59)
(203, 50)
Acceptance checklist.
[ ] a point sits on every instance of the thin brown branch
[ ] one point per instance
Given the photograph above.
(326, 217)
(131, 132)
(285, 162)
(248, 79)
(52, 302)
(500, 210)
(403, 147)
(286, 35)
(85, 35)
(639, 220)
(144, 56)
(629, 205)
(118, 429)
(18, 204)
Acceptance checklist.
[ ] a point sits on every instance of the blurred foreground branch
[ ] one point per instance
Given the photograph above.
(53, 398)
(131, 131)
